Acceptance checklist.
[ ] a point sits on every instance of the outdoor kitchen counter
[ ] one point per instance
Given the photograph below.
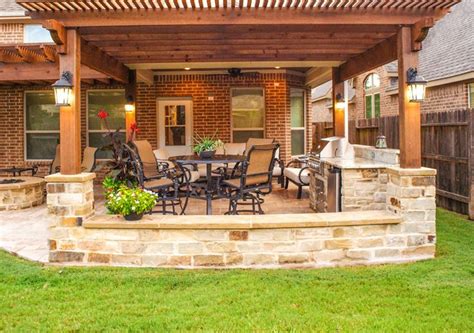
(355, 163)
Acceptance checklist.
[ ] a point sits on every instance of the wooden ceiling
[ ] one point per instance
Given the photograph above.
(226, 43)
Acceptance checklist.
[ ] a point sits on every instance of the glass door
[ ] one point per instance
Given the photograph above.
(175, 126)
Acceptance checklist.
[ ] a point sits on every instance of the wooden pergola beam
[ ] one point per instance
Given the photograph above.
(419, 31)
(257, 16)
(377, 56)
(58, 34)
(338, 114)
(40, 72)
(95, 58)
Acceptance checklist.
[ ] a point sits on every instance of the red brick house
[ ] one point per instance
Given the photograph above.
(253, 102)
(446, 61)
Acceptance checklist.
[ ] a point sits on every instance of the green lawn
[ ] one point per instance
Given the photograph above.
(436, 295)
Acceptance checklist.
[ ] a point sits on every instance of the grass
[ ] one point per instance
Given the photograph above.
(435, 295)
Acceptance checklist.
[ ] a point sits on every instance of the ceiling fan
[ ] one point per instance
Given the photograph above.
(236, 72)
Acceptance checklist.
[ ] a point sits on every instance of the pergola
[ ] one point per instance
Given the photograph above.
(107, 39)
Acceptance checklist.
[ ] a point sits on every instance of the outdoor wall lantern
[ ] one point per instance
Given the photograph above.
(63, 89)
(130, 105)
(339, 102)
(416, 86)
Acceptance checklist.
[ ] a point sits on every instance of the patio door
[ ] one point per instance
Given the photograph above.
(175, 121)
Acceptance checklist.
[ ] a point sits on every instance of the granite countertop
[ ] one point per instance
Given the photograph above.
(355, 163)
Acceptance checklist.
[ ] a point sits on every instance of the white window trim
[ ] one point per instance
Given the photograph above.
(26, 131)
(304, 121)
(470, 102)
(124, 130)
(241, 129)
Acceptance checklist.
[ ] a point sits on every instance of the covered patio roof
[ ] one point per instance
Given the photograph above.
(338, 39)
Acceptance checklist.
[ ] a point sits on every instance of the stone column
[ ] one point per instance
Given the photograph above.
(411, 193)
(70, 201)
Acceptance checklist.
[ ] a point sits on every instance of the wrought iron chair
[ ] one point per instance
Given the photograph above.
(160, 178)
(254, 179)
(56, 163)
(89, 159)
(298, 173)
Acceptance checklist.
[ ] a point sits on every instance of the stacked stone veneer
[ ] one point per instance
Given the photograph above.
(404, 233)
(27, 194)
(70, 201)
(411, 194)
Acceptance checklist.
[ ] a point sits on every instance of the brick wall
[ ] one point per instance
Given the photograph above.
(208, 115)
(11, 33)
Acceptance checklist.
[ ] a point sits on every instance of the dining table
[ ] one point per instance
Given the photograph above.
(211, 192)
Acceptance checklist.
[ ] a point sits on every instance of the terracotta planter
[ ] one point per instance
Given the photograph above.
(133, 217)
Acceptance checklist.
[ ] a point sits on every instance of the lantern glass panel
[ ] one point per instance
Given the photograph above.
(62, 96)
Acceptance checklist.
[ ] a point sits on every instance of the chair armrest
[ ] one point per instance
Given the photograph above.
(300, 174)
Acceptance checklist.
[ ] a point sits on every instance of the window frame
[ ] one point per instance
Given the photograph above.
(26, 131)
(372, 92)
(232, 129)
(124, 130)
(299, 90)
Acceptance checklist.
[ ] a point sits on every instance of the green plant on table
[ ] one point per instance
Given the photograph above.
(124, 200)
(206, 143)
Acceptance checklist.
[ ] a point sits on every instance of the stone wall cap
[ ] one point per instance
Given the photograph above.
(412, 172)
(79, 178)
(27, 182)
(219, 222)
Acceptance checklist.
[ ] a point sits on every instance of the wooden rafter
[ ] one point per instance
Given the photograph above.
(30, 55)
(419, 31)
(377, 56)
(98, 60)
(335, 5)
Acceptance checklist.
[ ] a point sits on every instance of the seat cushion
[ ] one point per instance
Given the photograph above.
(156, 183)
(251, 180)
(194, 176)
(276, 171)
(293, 174)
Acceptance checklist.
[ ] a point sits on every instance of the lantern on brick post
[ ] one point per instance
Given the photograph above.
(63, 89)
(416, 86)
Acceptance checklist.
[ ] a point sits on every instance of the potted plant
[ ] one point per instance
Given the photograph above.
(130, 202)
(206, 146)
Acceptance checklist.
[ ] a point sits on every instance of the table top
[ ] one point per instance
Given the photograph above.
(17, 169)
(195, 159)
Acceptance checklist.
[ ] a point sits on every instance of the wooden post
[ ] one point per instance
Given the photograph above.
(70, 116)
(470, 162)
(131, 91)
(337, 113)
(410, 116)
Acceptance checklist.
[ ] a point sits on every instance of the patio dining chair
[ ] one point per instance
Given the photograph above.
(56, 163)
(89, 159)
(161, 178)
(254, 180)
(298, 174)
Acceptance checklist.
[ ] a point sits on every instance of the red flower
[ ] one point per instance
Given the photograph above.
(134, 127)
(102, 114)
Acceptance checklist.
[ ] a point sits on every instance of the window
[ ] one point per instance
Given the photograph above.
(41, 125)
(372, 96)
(248, 114)
(112, 101)
(35, 33)
(297, 100)
(471, 95)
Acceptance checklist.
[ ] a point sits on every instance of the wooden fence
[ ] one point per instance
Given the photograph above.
(447, 146)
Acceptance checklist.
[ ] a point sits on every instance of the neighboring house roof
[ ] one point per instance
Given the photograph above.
(322, 91)
(448, 48)
(9, 8)
(392, 67)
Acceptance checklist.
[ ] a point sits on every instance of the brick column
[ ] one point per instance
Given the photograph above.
(70, 201)
(411, 193)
